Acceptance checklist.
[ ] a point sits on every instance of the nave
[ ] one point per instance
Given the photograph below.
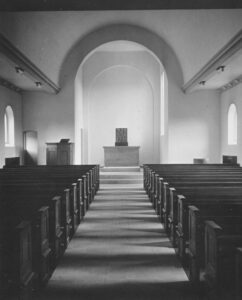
(120, 251)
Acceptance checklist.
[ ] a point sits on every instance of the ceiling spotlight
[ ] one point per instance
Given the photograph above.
(220, 68)
(19, 70)
(202, 82)
(38, 84)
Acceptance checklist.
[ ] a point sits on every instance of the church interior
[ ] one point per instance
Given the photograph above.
(120, 131)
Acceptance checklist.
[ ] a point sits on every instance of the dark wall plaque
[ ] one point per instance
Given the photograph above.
(121, 137)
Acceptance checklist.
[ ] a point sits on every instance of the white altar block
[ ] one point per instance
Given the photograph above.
(121, 156)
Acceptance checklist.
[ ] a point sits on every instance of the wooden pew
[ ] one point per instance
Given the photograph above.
(64, 230)
(168, 203)
(193, 179)
(18, 269)
(227, 191)
(1, 262)
(51, 189)
(32, 184)
(221, 241)
(238, 273)
(176, 168)
(166, 199)
(92, 184)
(225, 213)
(178, 214)
(189, 173)
(41, 251)
(33, 176)
(192, 176)
(41, 246)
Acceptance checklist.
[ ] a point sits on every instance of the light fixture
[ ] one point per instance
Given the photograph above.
(19, 70)
(202, 82)
(220, 68)
(38, 84)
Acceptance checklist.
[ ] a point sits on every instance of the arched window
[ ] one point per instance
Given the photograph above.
(232, 125)
(9, 126)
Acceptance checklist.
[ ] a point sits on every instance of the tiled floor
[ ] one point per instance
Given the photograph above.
(119, 252)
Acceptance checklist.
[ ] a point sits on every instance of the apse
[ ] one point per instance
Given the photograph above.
(119, 86)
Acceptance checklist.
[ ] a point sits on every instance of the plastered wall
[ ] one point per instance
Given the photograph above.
(52, 116)
(121, 89)
(194, 129)
(192, 119)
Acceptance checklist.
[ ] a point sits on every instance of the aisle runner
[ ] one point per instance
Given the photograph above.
(119, 252)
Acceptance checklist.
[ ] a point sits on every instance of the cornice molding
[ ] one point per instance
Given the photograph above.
(231, 84)
(234, 45)
(10, 86)
(30, 69)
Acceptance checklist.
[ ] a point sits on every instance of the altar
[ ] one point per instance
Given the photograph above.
(117, 156)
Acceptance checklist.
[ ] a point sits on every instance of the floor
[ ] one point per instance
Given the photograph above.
(119, 252)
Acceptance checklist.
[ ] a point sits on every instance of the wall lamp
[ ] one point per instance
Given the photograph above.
(220, 68)
(38, 84)
(19, 70)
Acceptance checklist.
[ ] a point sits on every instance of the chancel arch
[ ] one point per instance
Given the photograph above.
(181, 112)
(119, 85)
(152, 45)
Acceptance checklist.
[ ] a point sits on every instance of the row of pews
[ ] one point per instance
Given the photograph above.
(41, 208)
(201, 209)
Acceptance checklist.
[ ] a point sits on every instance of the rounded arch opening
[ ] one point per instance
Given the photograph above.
(232, 124)
(122, 62)
(9, 134)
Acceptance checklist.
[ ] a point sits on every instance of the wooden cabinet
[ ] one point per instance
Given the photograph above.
(59, 153)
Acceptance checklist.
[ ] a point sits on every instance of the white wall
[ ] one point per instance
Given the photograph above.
(193, 119)
(13, 99)
(120, 97)
(194, 127)
(233, 95)
(52, 116)
(121, 89)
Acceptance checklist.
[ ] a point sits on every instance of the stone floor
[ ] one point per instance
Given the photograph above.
(120, 252)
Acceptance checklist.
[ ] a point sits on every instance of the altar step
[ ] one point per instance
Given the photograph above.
(121, 181)
(120, 169)
(121, 175)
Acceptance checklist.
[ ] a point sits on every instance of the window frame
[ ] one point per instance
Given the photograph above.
(9, 127)
(232, 123)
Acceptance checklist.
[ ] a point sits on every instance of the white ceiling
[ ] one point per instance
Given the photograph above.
(24, 81)
(195, 36)
(220, 78)
(121, 46)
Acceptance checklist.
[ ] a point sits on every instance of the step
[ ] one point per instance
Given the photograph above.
(121, 181)
(121, 175)
(120, 169)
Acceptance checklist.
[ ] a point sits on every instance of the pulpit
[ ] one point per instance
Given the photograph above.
(59, 153)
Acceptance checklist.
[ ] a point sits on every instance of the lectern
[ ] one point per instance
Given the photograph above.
(59, 153)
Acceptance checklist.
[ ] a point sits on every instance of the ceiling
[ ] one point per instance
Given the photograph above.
(34, 41)
(73, 5)
(121, 46)
(227, 75)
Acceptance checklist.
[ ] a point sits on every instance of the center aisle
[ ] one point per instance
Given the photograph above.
(119, 252)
